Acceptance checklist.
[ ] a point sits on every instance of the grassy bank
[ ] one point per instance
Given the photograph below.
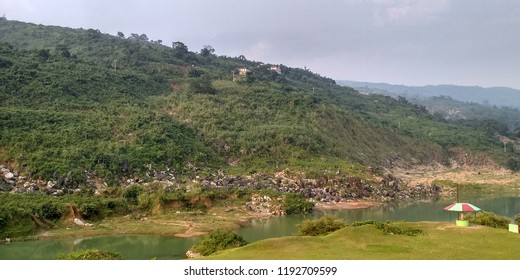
(440, 241)
(184, 224)
(136, 210)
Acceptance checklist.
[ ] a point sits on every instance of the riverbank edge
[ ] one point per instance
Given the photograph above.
(191, 231)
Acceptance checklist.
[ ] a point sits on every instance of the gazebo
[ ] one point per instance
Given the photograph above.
(462, 208)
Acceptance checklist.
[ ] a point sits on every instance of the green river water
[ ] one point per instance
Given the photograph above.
(143, 247)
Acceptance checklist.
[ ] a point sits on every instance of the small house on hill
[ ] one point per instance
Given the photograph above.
(243, 71)
(276, 68)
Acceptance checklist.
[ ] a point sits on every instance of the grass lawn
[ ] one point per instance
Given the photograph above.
(441, 241)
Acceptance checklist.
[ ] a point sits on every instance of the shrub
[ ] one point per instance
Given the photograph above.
(147, 201)
(388, 228)
(51, 211)
(297, 204)
(91, 255)
(132, 192)
(489, 219)
(517, 219)
(367, 222)
(217, 240)
(89, 210)
(321, 226)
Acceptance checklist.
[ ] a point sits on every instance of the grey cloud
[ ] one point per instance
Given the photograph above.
(400, 41)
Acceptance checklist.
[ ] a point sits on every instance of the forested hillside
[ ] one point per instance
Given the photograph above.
(493, 96)
(78, 104)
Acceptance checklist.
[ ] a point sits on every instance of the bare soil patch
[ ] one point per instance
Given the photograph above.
(425, 175)
(345, 205)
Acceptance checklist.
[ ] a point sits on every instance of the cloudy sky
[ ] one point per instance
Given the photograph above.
(412, 42)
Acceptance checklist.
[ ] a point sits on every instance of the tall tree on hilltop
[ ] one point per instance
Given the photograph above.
(179, 49)
(207, 50)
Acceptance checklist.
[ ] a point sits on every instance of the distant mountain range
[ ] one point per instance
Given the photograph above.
(499, 96)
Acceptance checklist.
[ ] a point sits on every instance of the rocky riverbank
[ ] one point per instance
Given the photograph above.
(338, 188)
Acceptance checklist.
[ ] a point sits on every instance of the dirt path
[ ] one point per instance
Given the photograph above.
(190, 232)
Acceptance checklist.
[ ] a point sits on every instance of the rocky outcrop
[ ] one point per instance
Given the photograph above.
(7, 179)
(266, 204)
(326, 189)
(329, 188)
(11, 181)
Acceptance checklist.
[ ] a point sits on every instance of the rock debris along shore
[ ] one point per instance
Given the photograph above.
(327, 189)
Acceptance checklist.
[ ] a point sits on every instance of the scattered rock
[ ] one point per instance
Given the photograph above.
(9, 175)
(190, 254)
(79, 222)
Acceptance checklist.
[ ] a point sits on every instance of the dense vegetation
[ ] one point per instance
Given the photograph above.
(79, 104)
(24, 215)
(492, 119)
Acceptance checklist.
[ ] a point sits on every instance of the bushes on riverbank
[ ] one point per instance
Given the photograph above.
(321, 226)
(25, 214)
(489, 219)
(217, 240)
(297, 204)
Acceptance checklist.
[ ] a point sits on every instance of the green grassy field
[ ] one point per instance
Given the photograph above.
(441, 241)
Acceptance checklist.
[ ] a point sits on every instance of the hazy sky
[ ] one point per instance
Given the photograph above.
(413, 42)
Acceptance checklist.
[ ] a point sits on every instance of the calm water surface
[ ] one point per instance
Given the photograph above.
(140, 247)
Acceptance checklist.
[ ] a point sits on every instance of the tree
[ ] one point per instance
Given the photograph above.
(179, 49)
(120, 35)
(44, 54)
(93, 33)
(143, 37)
(139, 38)
(207, 50)
(134, 36)
(63, 50)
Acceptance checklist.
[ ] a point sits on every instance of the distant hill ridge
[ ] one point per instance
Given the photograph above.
(499, 96)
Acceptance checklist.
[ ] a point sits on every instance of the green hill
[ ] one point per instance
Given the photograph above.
(77, 104)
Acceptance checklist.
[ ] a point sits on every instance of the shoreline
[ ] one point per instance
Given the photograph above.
(192, 228)
(345, 205)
